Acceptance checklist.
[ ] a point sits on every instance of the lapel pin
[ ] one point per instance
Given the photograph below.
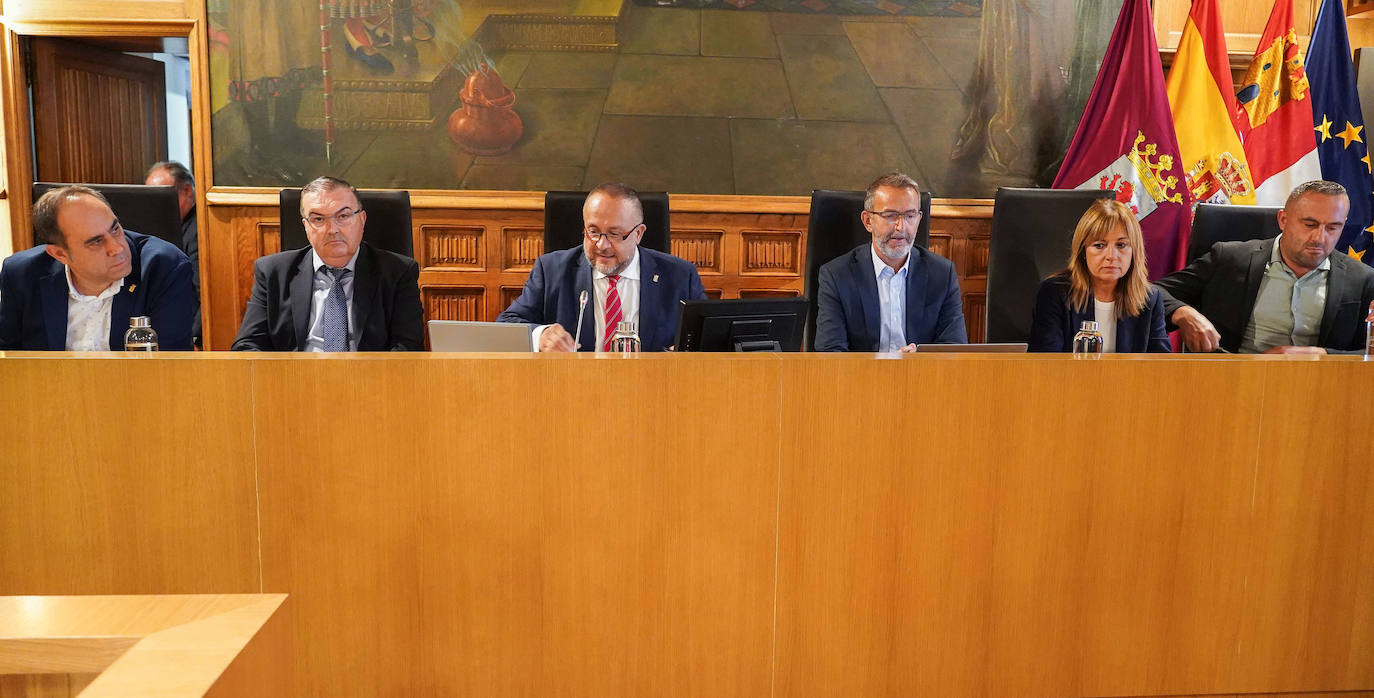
(132, 287)
(655, 278)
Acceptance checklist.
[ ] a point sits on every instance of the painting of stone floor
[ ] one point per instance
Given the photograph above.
(756, 97)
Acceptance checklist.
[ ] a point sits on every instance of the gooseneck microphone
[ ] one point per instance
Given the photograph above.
(581, 312)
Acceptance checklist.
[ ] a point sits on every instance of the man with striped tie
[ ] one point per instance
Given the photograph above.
(622, 281)
(338, 294)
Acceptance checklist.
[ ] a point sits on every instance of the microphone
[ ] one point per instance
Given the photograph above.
(581, 312)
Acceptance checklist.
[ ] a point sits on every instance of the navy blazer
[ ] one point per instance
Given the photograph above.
(33, 297)
(559, 278)
(1054, 323)
(848, 317)
(1224, 283)
(386, 302)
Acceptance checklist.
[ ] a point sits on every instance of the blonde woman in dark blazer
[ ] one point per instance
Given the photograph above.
(1106, 281)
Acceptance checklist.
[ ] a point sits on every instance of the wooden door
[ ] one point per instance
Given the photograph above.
(99, 115)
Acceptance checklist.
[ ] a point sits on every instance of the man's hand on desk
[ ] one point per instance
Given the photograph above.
(555, 338)
(909, 349)
(1199, 334)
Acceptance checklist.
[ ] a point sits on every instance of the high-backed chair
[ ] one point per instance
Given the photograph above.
(1032, 230)
(141, 208)
(388, 220)
(563, 220)
(834, 228)
(1213, 223)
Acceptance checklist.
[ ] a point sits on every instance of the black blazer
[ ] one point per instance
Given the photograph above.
(33, 297)
(1224, 283)
(847, 318)
(558, 279)
(1054, 323)
(386, 302)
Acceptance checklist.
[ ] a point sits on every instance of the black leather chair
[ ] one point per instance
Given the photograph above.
(388, 220)
(1213, 223)
(1032, 230)
(139, 207)
(563, 220)
(835, 228)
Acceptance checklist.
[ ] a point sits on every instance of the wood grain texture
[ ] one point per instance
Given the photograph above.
(1058, 540)
(720, 525)
(149, 645)
(126, 475)
(487, 540)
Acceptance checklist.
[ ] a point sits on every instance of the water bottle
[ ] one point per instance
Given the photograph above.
(1088, 341)
(1369, 332)
(140, 336)
(626, 338)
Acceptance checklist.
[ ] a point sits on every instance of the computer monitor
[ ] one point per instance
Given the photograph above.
(745, 324)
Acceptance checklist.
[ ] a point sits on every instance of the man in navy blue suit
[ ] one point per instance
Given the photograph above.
(78, 288)
(623, 282)
(892, 294)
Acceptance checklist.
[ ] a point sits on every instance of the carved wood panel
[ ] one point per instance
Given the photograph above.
(453, 303)
(771, 253)
(453, 247)
(700, 247)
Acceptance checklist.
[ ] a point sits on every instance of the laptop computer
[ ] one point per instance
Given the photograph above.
(995, 348)
(461, 336)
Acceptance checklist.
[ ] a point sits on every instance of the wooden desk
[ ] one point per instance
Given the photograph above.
(717, 525)
(167, 646)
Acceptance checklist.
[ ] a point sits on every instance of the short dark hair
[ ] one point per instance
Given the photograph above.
(323, 184)
(891, 179)
(622, 191)
(180, 175)
(1316, 186)
(46, 208)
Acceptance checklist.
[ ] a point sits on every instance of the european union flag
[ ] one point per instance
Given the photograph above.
(1342, 143)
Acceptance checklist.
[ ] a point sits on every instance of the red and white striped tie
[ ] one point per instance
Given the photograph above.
(612, 312)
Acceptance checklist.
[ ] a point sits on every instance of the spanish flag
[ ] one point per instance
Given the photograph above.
(1205, 114)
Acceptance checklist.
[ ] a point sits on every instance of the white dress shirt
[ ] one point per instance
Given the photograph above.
(1105, 315)
(627, 287)
(891, 302)
(323, 282)
(88, 317)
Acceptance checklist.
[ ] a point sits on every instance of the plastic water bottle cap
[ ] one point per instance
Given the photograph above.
(140, 321)
(1089, 326)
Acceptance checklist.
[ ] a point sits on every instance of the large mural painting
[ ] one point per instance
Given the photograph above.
(689, 96)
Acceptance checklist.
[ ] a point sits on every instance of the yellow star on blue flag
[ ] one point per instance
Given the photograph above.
(1335, 100)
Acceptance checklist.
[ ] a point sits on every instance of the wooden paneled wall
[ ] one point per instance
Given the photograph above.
(474, 260)
(737, 526)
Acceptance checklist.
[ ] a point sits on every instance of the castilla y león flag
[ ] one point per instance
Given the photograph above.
(1126, 142)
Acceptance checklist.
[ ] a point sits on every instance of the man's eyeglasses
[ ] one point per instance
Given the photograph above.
(612, 237)
(343, 218)
(908, 217)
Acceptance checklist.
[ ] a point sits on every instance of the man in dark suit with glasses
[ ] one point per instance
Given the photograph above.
(623, 282)
(337, 294)
(892, 294)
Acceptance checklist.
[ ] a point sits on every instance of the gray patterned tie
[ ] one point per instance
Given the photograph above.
(335, 322)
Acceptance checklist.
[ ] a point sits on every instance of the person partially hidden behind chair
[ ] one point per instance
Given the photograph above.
(338, 294)
(892, 294)
(623, 282)
(175, 174)
(1284, 295)
(78, 288)
(1106, 282)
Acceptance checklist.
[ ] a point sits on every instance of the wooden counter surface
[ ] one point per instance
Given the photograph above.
(721, 525)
